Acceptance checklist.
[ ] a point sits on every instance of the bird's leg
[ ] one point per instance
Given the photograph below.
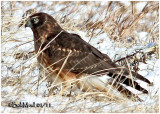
(51, 89)
(53, 82)
(69, 81)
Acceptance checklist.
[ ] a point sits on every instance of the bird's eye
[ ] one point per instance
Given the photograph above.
(36, 20)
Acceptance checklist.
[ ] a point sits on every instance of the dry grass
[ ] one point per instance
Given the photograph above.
(20, 68)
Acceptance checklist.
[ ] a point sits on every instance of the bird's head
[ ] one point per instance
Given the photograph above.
(35, 21)
(40, 20)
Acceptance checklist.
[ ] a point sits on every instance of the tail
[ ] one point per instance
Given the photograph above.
(129, 82)
(124, 79)
(137, 76)
(124, 90)
(140, 77)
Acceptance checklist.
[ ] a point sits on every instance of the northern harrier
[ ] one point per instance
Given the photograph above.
(69, 59)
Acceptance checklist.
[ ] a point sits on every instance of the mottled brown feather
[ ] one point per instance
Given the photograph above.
(55, 44)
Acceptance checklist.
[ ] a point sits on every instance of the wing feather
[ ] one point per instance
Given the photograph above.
(84, 58)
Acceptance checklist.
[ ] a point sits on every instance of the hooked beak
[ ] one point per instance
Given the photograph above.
(28, 24)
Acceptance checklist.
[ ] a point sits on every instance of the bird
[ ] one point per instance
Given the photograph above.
(69, 60)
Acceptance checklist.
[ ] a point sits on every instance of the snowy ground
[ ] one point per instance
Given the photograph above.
(20, 72)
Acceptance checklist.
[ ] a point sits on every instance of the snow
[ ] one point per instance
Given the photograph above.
(126, 3)
(143, 35)
(140, 6)
(102, 42)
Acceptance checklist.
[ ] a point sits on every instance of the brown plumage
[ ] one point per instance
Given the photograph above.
(68, 57)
